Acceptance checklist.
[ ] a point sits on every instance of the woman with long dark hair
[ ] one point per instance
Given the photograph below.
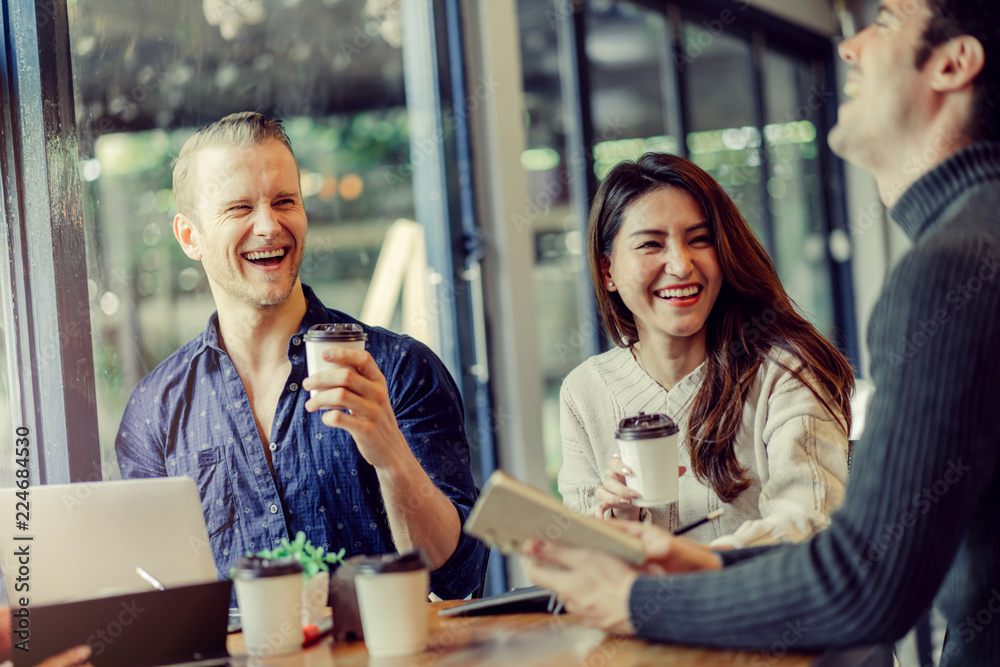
(706, 334)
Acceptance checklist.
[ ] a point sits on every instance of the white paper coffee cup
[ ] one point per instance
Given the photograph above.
(269, 593)
(392, 598)
(322, 337)
(647, 444)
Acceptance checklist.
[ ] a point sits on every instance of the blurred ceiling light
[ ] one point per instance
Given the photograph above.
(90, 170)
(351, 187)
(311, 183)
(231, 15)
(110, 303)
(329, 188)
(388, 15)
(540, 159)
(620, 47)
(188, 279)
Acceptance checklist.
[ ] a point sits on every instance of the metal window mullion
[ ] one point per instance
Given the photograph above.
(54, 360)
(16, 317)
(421, 76)
(471, 246)
(571, 33)
(758, 47)
(673, 86)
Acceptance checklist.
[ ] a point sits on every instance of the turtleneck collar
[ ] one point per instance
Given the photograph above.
(924, 202)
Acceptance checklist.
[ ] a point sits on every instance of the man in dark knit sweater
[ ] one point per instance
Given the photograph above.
(919, 522)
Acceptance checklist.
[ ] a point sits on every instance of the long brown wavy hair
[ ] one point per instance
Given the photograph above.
(752, 315)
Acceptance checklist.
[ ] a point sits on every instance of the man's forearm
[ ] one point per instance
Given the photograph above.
(419, 514)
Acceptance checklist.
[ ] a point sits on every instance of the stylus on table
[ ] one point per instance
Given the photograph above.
(150, 579)
(703, 520)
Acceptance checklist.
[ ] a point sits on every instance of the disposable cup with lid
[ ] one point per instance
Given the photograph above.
(331, 336)
(647, 444)
(392, 597)
(269, 593)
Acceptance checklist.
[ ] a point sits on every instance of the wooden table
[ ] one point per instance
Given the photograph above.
(517, 640)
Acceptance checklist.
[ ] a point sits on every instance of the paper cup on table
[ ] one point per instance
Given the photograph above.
(269, 592)
(392, 597)
(648, 445)
(321, 337)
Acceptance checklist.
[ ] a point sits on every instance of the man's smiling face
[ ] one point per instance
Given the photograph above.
(251, 225)
(889, 97)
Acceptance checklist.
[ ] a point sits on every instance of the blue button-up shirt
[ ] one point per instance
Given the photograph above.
(191, 416)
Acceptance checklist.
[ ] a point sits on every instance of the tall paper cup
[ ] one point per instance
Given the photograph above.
(392, 598)
(648, 445)
(322, 337)
(269, 592)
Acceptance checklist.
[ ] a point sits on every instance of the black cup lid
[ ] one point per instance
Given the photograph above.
(336, 332)
(257, 568)
(644, 427)
(411, 561)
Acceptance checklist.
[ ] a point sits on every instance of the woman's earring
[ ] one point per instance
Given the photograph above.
(611, 285)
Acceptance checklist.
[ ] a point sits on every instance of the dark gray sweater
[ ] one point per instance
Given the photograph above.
(920, 517)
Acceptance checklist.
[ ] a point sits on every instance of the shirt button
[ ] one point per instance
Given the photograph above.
(293, 387)
(274, 509)
(273, 446)
(296, 341)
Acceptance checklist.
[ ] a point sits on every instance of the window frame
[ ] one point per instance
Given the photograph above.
(48, 320)
(47, 323)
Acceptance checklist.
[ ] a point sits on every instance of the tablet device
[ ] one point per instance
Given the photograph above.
(509, 512)
(180, 625)
(529, 600)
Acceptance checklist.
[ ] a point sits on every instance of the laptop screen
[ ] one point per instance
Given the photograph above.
(85, 540)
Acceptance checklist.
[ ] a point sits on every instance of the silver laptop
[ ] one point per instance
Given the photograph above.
(85, 540)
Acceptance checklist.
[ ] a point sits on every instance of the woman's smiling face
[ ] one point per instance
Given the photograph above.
(663, 265)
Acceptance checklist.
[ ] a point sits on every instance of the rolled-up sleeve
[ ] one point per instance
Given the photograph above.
(430, 415)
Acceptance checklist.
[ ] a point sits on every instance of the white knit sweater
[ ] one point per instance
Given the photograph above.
(794, 451)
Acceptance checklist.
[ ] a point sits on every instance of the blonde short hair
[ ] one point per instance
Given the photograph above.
(245, 129)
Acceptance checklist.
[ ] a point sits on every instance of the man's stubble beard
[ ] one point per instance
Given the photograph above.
(270, 303)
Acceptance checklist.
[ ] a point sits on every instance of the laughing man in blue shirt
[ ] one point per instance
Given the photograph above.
(232, 408)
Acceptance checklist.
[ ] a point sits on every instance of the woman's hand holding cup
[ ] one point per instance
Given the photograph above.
(615, 495)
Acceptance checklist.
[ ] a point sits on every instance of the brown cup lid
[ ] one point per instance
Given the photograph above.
(339, 332)
(257, 568)
(411, 561)
(645, 427)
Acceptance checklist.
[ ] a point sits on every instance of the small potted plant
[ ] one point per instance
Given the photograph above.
(315, 563)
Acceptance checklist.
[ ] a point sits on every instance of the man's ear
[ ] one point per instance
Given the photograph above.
(187, 235)
(956, 63)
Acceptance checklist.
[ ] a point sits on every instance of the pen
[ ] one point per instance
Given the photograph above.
(694, 524)
(153, 581)
(313, 632)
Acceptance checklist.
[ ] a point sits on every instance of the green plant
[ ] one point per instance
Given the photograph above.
(313, 559)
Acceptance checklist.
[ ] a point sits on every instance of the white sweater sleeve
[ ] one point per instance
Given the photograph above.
(805, 475)
(579, 477)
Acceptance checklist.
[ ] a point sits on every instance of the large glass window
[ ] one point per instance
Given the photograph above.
(723, 137)
(147, 74)
(795, 94)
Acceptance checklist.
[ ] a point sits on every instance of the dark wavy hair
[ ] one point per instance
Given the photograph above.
(980, 19)
(751, 317)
